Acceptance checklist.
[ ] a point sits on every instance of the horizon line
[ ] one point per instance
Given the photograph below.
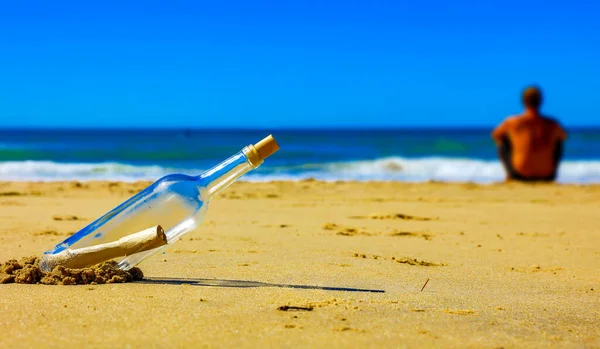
(264, 128)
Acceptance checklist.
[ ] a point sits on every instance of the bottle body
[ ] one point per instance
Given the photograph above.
(176, 202)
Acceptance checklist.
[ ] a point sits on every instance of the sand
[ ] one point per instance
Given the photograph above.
(312, 264)
(27, 271)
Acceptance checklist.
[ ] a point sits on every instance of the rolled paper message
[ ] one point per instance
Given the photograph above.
(145, 240)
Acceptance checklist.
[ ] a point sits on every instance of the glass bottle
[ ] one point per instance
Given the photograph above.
(176, 203)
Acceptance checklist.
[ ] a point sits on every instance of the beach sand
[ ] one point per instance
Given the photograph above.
(313, 264)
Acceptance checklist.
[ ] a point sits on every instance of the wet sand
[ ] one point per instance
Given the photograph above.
(313, 264)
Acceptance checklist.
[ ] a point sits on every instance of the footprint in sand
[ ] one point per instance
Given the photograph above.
(330, 226)
(411, 234)
(346, 328)
(352, 231)
(346, 231)
(390, 216)
(403, 260)
(413, 261)
(79, 185)
(537, 269)
(50, 232)
(11, 193)
(293, 326)
(67, 218)
(295, 308)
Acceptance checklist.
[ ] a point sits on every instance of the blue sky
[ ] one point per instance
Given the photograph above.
(294, 63)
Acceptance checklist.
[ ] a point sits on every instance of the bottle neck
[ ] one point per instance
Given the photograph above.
(228, 171)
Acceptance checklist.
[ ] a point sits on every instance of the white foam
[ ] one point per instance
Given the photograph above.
(397, 168)
(384, 169)
(52, 171)
(451, 169)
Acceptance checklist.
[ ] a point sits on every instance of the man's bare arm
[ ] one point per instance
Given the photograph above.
(562, 133)
(499, 133)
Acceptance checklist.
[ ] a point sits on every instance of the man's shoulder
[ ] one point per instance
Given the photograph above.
(512, 119)
(518, 118)
(552, 120)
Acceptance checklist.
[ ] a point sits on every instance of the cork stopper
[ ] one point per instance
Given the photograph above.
(266, 147)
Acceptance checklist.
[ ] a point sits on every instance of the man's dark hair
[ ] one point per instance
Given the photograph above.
(532, 97)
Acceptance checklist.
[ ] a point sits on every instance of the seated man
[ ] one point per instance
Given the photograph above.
(530, 144)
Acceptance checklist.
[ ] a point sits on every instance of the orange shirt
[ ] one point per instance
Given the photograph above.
(533, 139)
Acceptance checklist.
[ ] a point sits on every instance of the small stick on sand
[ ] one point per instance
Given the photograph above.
(144, 240)
(422, 288)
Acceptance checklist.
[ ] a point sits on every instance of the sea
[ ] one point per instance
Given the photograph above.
(408, 155)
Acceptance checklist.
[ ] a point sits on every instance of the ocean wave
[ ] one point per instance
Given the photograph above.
(53, 171)
(384, 169)
(452, 170)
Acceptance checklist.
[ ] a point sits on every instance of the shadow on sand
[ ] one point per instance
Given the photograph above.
(243, 284)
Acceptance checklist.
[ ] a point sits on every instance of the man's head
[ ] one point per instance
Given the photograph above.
(532, 97)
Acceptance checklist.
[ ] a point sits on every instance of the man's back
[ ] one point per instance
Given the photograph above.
(533, 140)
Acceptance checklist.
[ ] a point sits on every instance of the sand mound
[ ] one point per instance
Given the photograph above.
(27, 271)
